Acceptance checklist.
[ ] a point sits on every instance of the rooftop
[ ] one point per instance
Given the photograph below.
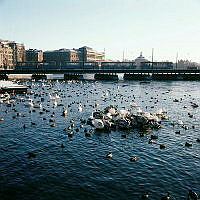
(60, 50)
(140, 59)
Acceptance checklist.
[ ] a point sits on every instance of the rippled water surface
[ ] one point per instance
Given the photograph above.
(80, 170)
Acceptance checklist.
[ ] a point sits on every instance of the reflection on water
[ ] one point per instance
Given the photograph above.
(80, 169)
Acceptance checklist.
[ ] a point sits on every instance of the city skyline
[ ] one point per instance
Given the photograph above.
(130, 27)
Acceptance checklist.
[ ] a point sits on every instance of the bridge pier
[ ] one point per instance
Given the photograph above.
(161, 76)
(192, 77)
(164, 77)
(108, 77)
(73, 77)
(39, 76)
(3, 77)
(135, 76)
(176, 76)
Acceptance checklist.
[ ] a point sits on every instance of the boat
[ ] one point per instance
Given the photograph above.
(11, 87)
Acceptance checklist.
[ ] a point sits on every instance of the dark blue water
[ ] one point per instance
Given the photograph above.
(80, 170)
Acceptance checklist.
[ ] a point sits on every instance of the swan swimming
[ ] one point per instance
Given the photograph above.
(80, 109)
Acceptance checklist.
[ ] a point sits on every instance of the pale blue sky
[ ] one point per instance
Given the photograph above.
(168, 26)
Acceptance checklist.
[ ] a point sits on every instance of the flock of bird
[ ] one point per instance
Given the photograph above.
(46, 97)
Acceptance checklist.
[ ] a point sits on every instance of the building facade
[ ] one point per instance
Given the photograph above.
(87, 54)
(19, 53)
(61, 56)
(83, 54)
(142, 63)
(34, 55)
(186, 64)
(11, 48)
(140, 60)
(6, 56)
(12, 53)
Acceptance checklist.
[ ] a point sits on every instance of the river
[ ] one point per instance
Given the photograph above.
(80, 170)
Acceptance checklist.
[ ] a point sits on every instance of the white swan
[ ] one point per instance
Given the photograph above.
(98, 123)
(29, 103)
(179, 122)
(133, 104)
(37, 106)
(64, 113)
(112, 111)
(53, 97)
(123, 113)
(80, 109)
(55, 103)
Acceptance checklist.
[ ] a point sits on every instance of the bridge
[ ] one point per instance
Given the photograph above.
(106, 71)
(93, 71)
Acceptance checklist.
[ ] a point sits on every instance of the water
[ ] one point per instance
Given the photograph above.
(80, 170)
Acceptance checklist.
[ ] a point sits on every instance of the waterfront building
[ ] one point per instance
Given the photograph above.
(141, 61)
(87, 54)
(6, 56)
(1, 56)
(18, 51)
(34, 55)
(186, 64)
(61, 56)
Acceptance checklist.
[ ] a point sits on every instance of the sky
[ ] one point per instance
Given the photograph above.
(129, 26)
